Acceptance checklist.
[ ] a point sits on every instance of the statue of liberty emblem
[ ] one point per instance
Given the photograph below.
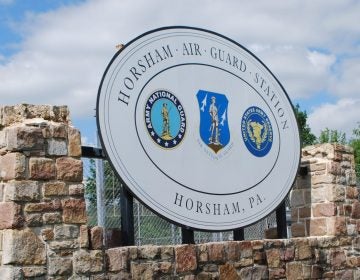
(214, 128)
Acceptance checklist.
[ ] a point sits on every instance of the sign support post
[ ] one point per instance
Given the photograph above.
(239, 234)
(281, 220)
(187, 236)
(127, 218)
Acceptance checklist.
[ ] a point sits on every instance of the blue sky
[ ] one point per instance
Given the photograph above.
(13, 13)
(55, 51)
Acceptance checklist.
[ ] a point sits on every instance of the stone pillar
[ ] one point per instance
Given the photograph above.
(325, 201)
(42, 206)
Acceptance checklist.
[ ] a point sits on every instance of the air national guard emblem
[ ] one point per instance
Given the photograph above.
(257, 131)
(214, 128)
(165, 119)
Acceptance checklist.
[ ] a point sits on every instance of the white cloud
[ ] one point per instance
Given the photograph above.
(321, 62)
(302, 72)
(85, 141)
(347, 83)
(343, 116)
(65, 52)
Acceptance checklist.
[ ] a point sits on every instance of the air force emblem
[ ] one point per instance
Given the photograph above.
(214, 128)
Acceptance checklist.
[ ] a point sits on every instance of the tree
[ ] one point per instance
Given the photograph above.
(324, 136)
(90, 193)
(111, 184)
(355, 144)
(112, 189)
(90, 184)
(332, 136)
(307, 138)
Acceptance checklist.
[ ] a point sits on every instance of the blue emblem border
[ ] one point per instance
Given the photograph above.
(257, 112)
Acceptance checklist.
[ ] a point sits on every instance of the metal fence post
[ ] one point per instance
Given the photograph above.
(173, 237)
(138, 223)
(214, 236)
(100, 190)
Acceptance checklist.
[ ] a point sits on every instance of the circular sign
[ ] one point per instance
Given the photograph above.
(198, 128)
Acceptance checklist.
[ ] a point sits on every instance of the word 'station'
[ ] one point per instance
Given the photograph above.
(155, 56)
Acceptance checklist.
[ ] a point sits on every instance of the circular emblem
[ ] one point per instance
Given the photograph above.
(165, 119)
(213, 168)
(257, 131)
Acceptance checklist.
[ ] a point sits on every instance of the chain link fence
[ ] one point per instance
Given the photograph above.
(149, 228)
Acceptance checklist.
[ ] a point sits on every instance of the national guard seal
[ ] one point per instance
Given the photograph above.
(165, 119)
(257, 131)
(214, 128)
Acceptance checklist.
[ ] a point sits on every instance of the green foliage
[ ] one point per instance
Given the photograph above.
(90, 184)
(332, 136)
(356, 131)
(307, 138)
(111, 183)
(355, 144)
(111, 194)
(90, 194)
(153, 226)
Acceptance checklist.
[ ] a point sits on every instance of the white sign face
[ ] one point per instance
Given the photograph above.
(198, 128)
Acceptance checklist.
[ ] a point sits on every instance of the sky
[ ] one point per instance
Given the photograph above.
(56, 51)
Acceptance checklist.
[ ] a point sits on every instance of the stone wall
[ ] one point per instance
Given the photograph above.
(42, 204)
(298, 258)
(325, 201)
(43, 232)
